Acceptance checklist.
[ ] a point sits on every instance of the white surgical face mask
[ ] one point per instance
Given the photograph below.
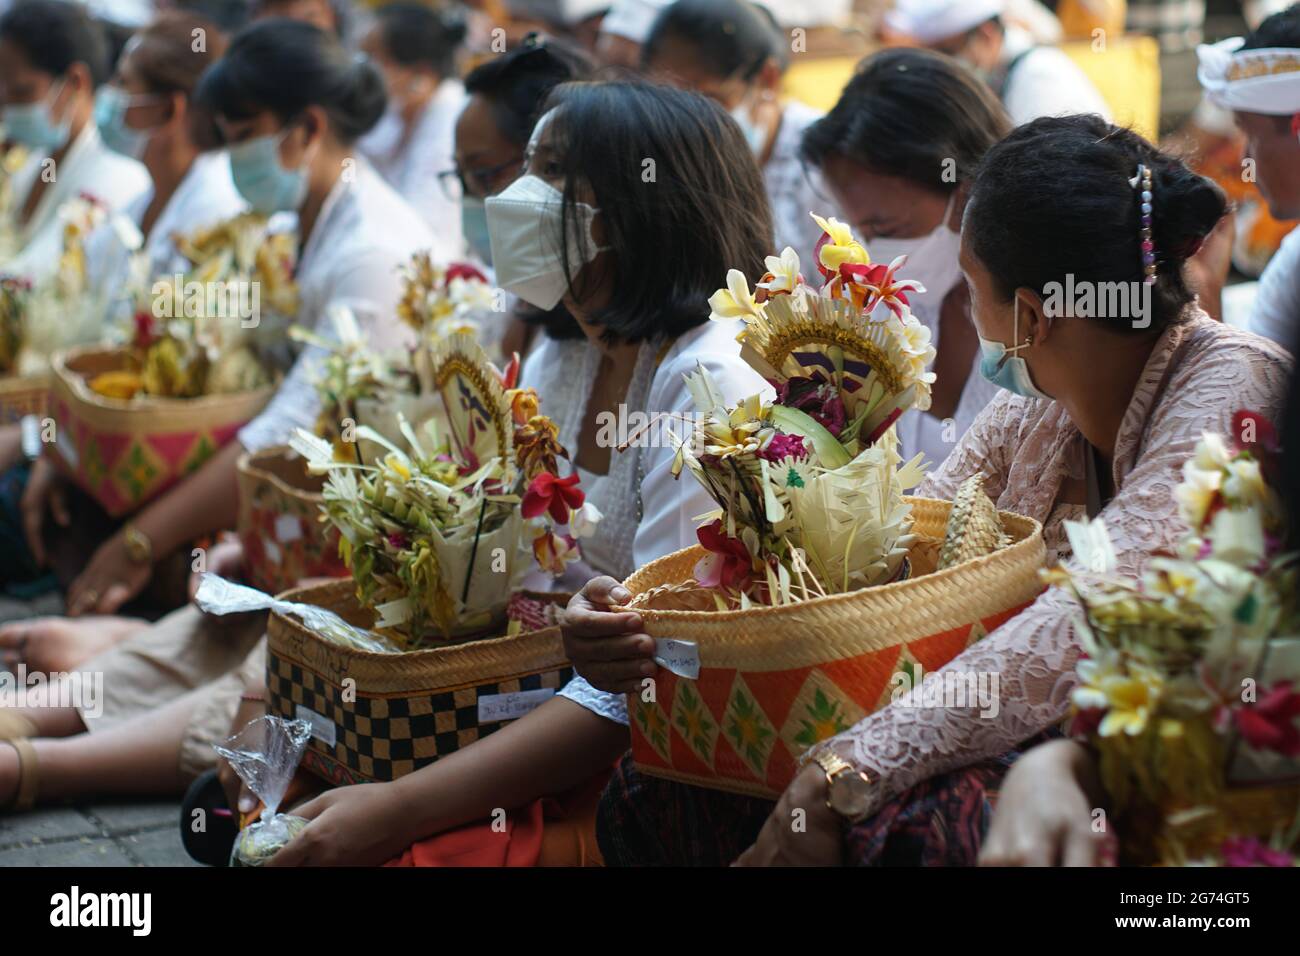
(755, 135)
(524, 228)
(932, 260)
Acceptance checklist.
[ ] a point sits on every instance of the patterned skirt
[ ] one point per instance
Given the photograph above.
(648, 821)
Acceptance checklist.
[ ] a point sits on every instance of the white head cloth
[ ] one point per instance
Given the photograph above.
(930, 21)
(1252, 81)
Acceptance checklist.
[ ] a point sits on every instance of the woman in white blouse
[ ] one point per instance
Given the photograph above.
(733, 52)
(641, 259)
(291, 102)
(415, 48)
(52, 56)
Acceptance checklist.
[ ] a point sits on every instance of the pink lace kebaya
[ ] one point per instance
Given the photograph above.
(1198, 375)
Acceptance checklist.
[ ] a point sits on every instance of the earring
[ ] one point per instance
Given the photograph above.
(1029, 338)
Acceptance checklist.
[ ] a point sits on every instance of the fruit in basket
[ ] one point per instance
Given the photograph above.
(119, 384)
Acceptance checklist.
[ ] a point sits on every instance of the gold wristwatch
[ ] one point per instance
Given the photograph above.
(138, 546)
(848, 791)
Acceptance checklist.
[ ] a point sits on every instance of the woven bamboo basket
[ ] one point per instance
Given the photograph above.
(22, 395)
(280, 523)
(382, 716)
(125, 453)
(774, 681)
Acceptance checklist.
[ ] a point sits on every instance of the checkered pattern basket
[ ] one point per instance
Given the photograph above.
(377, 717)
(774, 681)
(125, 453)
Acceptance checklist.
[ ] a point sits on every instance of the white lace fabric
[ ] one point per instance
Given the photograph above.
(1199, 374)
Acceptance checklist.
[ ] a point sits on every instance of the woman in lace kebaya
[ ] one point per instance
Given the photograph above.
(1097, 416)
(634, 200)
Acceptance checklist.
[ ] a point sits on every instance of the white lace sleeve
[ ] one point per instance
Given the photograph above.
(1033, 655)
(610, 706)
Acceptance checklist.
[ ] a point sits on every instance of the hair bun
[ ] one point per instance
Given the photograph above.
(1185, 209)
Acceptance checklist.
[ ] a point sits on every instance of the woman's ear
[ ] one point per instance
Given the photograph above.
(315, 127)
(769, 77)
(79, 80)
(1033, 318)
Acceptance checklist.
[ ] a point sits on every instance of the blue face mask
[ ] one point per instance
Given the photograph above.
(1001, 366)
(754, 134)
(260, 179)
(29, 124)
(474, 224)
(111, 105)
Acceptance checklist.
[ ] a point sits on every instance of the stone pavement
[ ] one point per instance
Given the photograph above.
(117, 832)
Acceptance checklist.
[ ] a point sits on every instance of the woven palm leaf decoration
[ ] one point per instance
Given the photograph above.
(974, 528)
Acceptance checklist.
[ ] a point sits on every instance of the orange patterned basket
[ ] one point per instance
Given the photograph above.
(125, 453)
(773, 681)
(22, 395)
(280, 523)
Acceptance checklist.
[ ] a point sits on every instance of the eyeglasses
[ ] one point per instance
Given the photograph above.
(457, 183)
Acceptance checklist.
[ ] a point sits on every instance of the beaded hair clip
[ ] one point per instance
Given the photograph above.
(1142, 182)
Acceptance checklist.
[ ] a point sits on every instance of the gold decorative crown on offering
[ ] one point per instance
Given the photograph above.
(1188, 691)
(438, 534)
(810, 484)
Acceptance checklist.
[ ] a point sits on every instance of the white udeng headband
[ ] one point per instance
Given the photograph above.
(1253, 81)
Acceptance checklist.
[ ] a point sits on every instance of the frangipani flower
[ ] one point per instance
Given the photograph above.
(1128, 696)
(554, 551)
(1196, 493)
(837, 247)
(735, 301)
(556, 496)
(782, 276)
(1270, 723)
(878, 283)
(728, 564)
(584, 520)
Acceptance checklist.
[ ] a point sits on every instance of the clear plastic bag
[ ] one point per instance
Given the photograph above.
(265, 754)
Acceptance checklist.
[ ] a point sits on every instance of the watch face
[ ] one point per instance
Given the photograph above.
(850, 795)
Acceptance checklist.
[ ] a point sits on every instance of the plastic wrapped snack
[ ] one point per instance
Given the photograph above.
(265, 754)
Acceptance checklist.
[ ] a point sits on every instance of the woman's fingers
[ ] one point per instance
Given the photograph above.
(585, 621)
(632, 647)
(605, 591)
(1082, 846)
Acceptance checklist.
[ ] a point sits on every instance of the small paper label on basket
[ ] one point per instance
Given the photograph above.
(494, 707)
(680, 657)
(287, 529)
(322, 728)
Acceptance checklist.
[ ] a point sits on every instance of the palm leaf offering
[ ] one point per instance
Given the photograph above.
(810, 485)
(439, 530)
(219, 327)
(1188, 687)
(58, 311)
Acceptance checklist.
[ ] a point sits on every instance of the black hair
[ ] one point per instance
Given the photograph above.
(414, 34)
(735, 37)
(230, 16)
(285, 66)
(516, 84)
(55, 34)
(680, 196)
(1281, 30)
(911, 113)
(1054, 199)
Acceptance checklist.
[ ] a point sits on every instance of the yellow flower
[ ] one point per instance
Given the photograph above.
(735, 301)
(782, 273)
(1128, 696)
(840, 247)
(1195, 494)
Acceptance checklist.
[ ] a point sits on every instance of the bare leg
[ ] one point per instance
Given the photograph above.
(50, 721)
(140, 756)
(56, 644)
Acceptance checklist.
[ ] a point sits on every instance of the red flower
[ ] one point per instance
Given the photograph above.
(1269, 724)
(1248, 851)
(728, 564)
(1085, 722)
(783, 446)
(145, 332)
(463, 270)
(1253, 433)
(554, 495)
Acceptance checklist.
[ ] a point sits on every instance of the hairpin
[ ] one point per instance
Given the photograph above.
(1142, 182)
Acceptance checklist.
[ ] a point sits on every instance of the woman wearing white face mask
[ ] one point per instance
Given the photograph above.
(898, 152)
(415, 48)
(636, 270)
(1098, 413)
(52, 56)
(733, 52)
(292, 102)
